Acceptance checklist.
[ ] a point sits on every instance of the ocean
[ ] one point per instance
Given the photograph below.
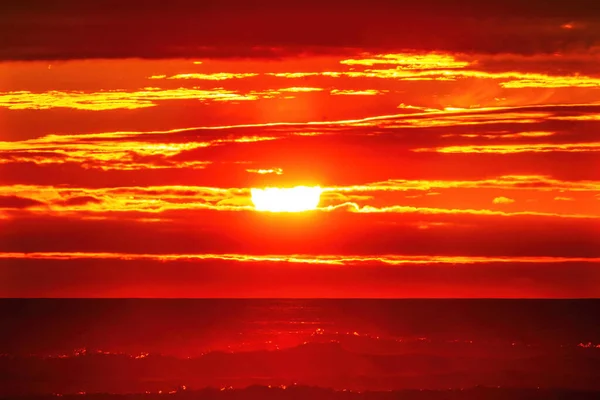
(139, 345)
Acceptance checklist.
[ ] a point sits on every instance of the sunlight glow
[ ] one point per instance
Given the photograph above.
(300, 198)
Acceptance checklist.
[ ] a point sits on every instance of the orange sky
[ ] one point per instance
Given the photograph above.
(449, 168)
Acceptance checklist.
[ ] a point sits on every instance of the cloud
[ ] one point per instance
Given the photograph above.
(563, 198)
(227, 29)
(147, 200)
(376, 197)
(337, 259)
(276, 171)
(427, 72)
(112, 99)
(353, 207)
(513, 182)
(519, 148)
(502, 135)
(139, 277)
(218, 76)
(115, 150)
(207, 231)
(349, 92)
(156, 157)
(410, 61)
(8, 201)
(81, 200)
(503, 200)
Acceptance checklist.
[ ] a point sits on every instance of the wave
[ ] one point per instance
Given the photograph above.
(317, 393)
(324, 364)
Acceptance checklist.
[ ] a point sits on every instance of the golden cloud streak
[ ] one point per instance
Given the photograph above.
(502, 135)
(410, 61)
(157, 199)
(406, 66)
(124, 152)
(513, 182)
(219, 76)
(94, 151)
(366, 92)
(302, 259)
(353, 207)
(517, 148)
(300, 89)
(150, 199)
(545, 81)
(512, 79)
(429, 117)
(503, 200)
(121, 99)
(112, 99)
(276, 171)
(462, 117)
(120, 150)
(166, 197)
(593, 117)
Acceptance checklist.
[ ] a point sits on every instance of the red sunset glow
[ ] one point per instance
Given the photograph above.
(461, 139)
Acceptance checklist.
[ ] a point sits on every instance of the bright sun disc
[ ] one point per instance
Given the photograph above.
(299, 198)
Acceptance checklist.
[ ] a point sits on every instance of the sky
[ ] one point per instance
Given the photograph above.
(456, 146)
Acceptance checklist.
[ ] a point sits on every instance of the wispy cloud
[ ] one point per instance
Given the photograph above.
(513, 182)
(112, 99)
(263, 171)
(301, 259)
(518, 148)
(353, 207)
(365, 92)
(217, 76)
(503, 200)
(410, 61)
(158, 199)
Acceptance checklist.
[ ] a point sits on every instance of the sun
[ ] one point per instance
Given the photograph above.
(299, 198)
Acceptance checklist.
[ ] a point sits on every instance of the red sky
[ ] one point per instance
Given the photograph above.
(457, 148)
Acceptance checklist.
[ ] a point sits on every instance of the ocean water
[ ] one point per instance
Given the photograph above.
(191, 327)
(153, 345)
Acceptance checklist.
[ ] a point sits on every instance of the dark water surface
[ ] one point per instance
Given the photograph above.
(186, 327)
(152, 345)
